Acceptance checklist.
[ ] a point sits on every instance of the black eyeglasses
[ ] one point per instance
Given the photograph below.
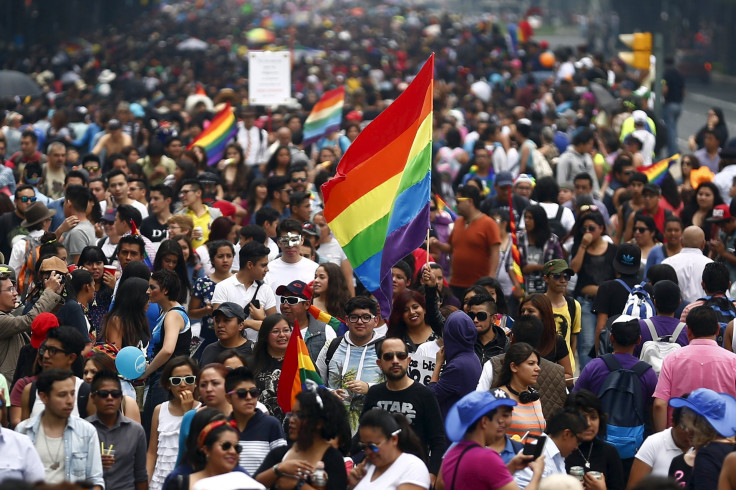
(177, 380)
(242, 393)
(51, 350)
(559, 276)
(432, 208)
(364, 318)
(226, 446)
(105, 393)
(292, 300)
(641, 229)
(27, 199)
(481, 316)
(389, 356)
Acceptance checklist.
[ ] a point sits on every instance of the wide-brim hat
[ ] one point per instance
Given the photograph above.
(470, 408)
(719, 409)
(36, 212)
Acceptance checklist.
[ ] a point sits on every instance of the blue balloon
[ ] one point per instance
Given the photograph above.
(131, 362)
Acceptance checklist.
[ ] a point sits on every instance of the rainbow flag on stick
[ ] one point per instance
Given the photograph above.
(325, 117)
(337, 325)
(515, 255)
(134, 231)
(443, 206)
(218, 134)
(295, 371)
(377, 205)
(657, 171)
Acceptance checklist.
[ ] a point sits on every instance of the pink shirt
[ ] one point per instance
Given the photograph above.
(702, 364)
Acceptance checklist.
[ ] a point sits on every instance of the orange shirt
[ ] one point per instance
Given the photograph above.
(471, 254)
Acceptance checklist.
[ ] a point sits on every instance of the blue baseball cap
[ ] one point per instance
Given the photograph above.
(719, 409)
(470, 408)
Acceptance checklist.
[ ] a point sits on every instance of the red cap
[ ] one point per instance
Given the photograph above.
(41, 324)
(722, 212)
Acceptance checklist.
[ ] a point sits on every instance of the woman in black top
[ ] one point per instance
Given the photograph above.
(593, 453)
(552, 345)
(316, 417)
(268, 357)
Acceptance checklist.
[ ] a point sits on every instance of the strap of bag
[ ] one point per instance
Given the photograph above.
(677, 332)
(611, 362)
(652, 329)
(560, 209)
(620, 281)
(457, 465)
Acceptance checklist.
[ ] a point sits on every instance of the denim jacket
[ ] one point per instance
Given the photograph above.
(82, 459)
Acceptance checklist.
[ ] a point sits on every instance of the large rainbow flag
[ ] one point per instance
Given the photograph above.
(218, 134)
(657, 171)
(295, 371)
(325, 117)
(377, 205)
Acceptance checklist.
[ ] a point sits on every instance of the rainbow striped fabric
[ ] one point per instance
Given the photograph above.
(325, 117)
(657, 171)
(377, 205)
(337, 325)
(295, 371)
(218, 134)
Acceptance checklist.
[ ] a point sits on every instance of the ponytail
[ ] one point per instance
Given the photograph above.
(394, 424)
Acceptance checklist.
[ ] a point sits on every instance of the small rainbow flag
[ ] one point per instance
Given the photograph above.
(657, 171)
(338, 325)
(443, 206)
(325, 117)
(515, 255)
(295, 371)
(134, 231)
(218, 134)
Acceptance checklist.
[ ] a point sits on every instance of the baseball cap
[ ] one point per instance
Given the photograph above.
(556, 266)
(109, 216)
(6, 269)
(652, 188)
(719, 409)
(294, 288)
(722, 212)
(504, 178)
(310, 228)
(628, 259)
(470, 408)
(640, 117)
(208, 178)
(231, 310)
(40, 326)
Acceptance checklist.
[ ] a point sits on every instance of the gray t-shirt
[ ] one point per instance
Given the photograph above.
(79, 237)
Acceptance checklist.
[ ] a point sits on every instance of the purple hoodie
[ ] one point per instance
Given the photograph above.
(462, 367)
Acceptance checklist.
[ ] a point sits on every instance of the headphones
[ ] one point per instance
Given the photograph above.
(527, 396)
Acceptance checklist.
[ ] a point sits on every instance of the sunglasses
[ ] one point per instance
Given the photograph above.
(292, 300)
(559, 276)
(177, 380)
(389, 356)
(589, 229)
(299, 180)
(105, 393)
(432, 209)
(27, 199)
(242, 393)
(641, 229)
(226, 446)
(51, 350)
(481, 316)
(92, 169)
(372, 447)
(588, 207)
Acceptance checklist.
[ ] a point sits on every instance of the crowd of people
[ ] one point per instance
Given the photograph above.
(567, 324)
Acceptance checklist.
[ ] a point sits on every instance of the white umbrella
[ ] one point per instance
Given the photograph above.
(192, 44)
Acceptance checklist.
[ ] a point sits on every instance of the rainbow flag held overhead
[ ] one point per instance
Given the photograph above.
(443, 206)
(657, 171)
(296, 370)
(325, 117)
(218, 134)
(134, 231)
(377, 205)
(337, 325)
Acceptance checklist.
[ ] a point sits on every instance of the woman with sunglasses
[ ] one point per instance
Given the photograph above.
(646, 237)
(537, 246)
(268, 356)
(393, 454)
(317, 418)
(178, 379)
(519, 371)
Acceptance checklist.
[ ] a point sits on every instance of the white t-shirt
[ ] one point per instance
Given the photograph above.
(281, 273)
(567, 220)
(231, 289)
(486, 377)
(658, 451)
(406, 469)
(332, 252)
(140, 207)
(428, 349)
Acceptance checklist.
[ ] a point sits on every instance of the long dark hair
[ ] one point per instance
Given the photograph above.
(577, 231)
(242, 174)
(260, 351)
(388, 424)
(130, 311)
(517, 353)
(650, 224)
(273, 161)
(541, 302)
(542, 231)
(192, 454)
(322, 406)
(172, 247)
(396, 326)
(337, 290)
(250, 201)
(587, 402)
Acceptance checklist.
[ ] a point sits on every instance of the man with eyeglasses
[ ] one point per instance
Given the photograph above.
(10, 221)
(566, 309)
(229, 318)
(259, 433)
(298, 177)
(202, 215)
(68, 445)
(291, 265)
(401, 394)
(122, 440)
(294, 305)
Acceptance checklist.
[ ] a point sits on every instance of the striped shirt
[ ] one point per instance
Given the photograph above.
(262, 433)
(527, 417)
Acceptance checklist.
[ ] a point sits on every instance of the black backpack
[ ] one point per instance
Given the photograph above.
(555, 224)
(82, 398)
(621, 398)
(725, 311)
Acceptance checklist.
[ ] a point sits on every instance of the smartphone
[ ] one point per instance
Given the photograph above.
(256, 303)
(534, 448)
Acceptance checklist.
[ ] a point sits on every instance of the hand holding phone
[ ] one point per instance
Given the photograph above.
(534, 448)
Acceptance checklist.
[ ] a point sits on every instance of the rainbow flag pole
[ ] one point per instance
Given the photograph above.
(515, 244)
(218, 134)
(325, 117)
(296, 370)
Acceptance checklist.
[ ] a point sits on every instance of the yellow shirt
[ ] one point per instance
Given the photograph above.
(203, 222)
(562, 320)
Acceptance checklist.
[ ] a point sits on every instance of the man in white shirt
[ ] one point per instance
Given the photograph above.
(564, 429)
(291, 265)
(117, 184)
(648, 140)
(689, 264)
(246, 287)
(252, 139)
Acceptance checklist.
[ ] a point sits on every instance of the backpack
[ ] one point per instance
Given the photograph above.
(27, 269)
(639, 304)
(331, 349)
(82, 398)
(725, 311)
(622, 400)
(654, 351)
(542, 167)
(555, 224)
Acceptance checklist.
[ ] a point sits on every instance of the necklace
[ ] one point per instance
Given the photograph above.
(590, 451)
(56, 463)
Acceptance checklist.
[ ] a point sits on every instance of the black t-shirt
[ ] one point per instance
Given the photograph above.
(680, 470)
(267, 382)
(708, 463)
(596, 268)
(603, 458)
(675, 86)
(559, 352)
(153, 230)
(214, 349)
(337, 477)
(420, 407)
(8, 222)
(612, 295)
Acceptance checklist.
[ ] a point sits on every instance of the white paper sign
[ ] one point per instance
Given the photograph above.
(421, 368)
(269, 77)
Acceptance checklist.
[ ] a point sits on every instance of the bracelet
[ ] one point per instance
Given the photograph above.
(276, 470)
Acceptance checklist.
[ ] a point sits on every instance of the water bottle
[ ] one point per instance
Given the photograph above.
(319, 477)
